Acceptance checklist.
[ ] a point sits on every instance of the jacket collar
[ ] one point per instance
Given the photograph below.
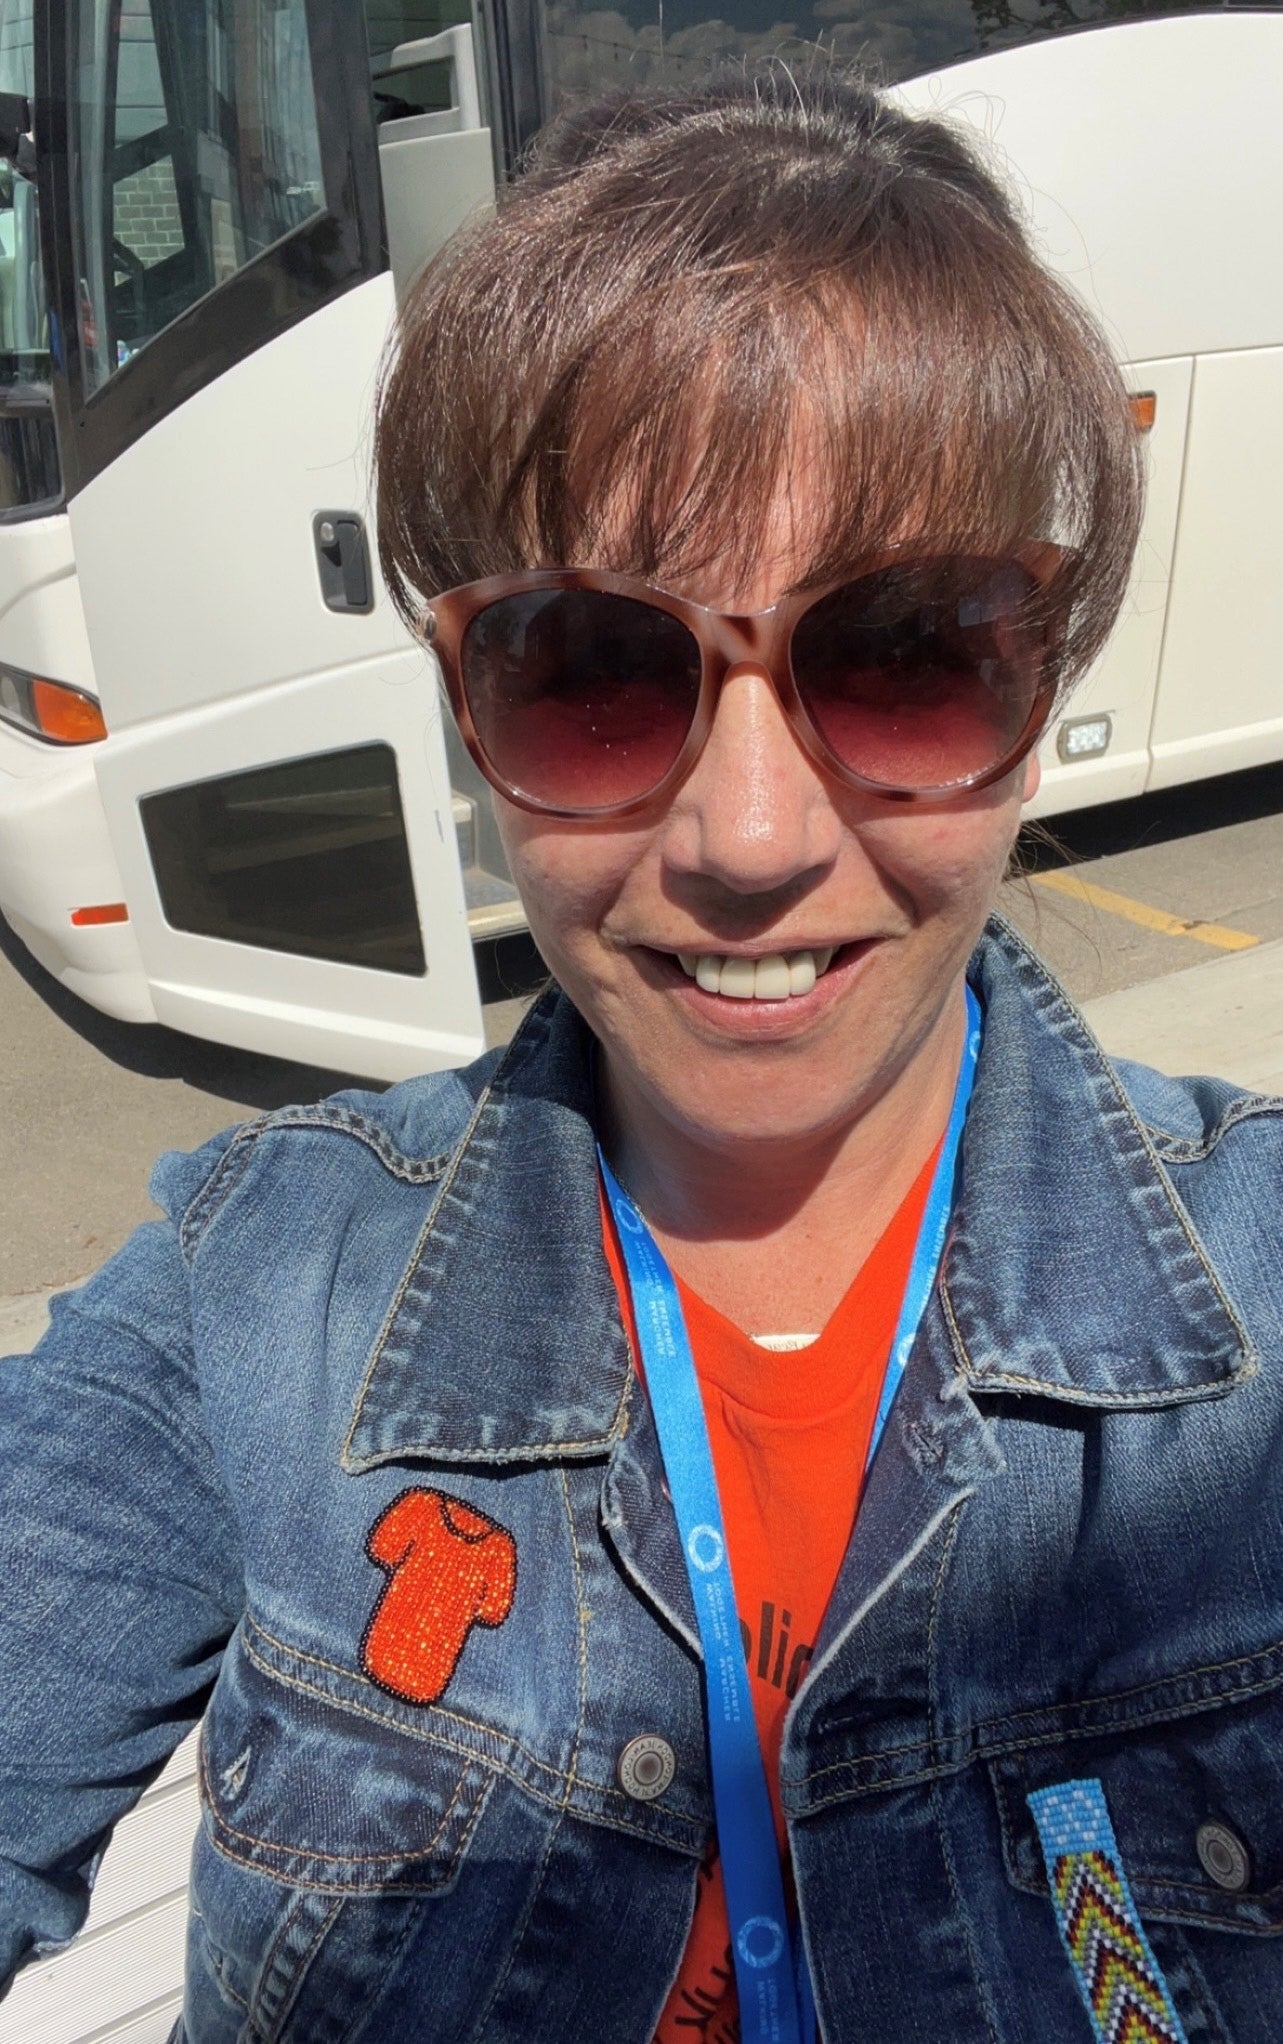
(1072, 1270)
(504, 1341)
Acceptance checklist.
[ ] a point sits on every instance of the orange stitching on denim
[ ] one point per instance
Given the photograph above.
(1122, 1401)
(572, 1776)
(339, 1889)
(414, 1260)
(341, 1121)
(381, 1718)
(1017, 1717)
(292, 1976)
(976, 1379)
(943, 1570)
(534, 1029)
(1146, 1688)
(353, 1859)
(523, 1925)
(495, 1766)
(1178, 1213)
(984, 1756)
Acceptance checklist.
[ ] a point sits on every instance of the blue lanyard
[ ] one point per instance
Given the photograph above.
(775, 1999)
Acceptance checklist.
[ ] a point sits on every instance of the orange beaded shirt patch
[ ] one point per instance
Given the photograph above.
(451, 1568)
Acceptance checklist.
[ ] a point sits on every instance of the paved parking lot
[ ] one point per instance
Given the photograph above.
(1165, 915)
(1137, 891)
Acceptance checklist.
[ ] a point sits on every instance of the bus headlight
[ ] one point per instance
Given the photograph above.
(52, 710)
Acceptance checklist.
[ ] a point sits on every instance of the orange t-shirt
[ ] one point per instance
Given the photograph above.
(789, 1433)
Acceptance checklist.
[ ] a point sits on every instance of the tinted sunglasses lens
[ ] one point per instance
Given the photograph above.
(925, 674)
(581, 700)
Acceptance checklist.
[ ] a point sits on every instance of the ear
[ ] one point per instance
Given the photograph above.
(1033, 777)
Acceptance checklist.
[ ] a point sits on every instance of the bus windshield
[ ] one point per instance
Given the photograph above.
(590, 46)
(24, 329)
(195, 148)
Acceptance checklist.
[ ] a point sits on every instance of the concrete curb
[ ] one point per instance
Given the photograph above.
(23, 1320)
(1224, 1018)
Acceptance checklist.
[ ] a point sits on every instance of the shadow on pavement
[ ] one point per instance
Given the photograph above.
(1099, 833)
(243, 1077)
(506, 969)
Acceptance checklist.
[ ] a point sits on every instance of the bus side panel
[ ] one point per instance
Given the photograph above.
(195, 547)
(1123, 683)
(1220, 699)
(42, 619)
(1147, 156)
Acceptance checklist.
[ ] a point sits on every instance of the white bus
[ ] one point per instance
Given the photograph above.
(227, 799)
(274, 844)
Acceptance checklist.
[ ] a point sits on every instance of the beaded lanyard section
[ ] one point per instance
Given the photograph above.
(1118, 1976)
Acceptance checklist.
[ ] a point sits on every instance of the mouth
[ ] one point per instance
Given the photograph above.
(778, 976)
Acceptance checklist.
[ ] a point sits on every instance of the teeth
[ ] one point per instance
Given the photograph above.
(772, 980)
(802, 971)
(777, 978)
(738, 979)
(708, 973)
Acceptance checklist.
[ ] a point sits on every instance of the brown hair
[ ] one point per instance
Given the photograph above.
(693, 290)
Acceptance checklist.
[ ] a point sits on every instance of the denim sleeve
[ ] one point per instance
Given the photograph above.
(120, 1576)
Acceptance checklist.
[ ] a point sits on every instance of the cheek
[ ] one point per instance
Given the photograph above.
(950, 858)
(568, 876)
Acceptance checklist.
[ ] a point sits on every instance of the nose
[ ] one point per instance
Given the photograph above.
(755, 814)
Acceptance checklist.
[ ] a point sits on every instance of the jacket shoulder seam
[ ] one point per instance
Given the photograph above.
(204, 1204)
(344, 1122)
(230, 1167)
(1174, 1149)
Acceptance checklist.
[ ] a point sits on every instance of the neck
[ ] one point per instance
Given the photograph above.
(772, 1233)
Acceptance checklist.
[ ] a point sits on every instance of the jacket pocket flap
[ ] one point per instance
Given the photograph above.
(1196, 1805)
(324, 1796)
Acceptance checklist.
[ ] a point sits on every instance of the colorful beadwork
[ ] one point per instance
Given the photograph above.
(452, 1568)
(1119, 1977)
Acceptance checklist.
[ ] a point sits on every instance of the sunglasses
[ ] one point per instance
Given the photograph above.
(587, 694)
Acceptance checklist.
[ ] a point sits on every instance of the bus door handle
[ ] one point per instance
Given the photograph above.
(343, 559)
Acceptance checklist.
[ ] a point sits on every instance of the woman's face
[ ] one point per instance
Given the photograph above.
(760, 853)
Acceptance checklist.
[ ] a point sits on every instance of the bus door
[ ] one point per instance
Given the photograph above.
(275, 778)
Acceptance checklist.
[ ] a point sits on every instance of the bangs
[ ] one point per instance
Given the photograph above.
(694, 347)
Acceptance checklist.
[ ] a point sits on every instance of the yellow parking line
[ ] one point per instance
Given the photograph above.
(1141, 912)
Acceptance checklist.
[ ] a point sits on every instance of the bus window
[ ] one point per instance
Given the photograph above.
(391, 22)
(29, 473)
(308, 857)
(194, 148)
(589, 48)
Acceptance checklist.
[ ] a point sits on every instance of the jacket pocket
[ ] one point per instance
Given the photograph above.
(331, 1797)
(1197, 1809)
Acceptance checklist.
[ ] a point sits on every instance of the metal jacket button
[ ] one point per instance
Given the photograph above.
(646, 1767)
(1223, 1856)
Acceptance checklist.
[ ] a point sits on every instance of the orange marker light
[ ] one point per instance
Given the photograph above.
(103, 912)
(1144, 404)
(66, 714)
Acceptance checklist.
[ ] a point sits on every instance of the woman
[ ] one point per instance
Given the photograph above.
(494, 1447)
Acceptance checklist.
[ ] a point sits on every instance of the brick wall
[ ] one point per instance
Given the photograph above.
(147, 218)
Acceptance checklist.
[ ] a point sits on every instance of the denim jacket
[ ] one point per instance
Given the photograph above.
(350, 1450)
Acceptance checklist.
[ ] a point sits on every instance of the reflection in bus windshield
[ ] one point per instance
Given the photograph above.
(592, 46)
(24, 351)
(194, 152)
